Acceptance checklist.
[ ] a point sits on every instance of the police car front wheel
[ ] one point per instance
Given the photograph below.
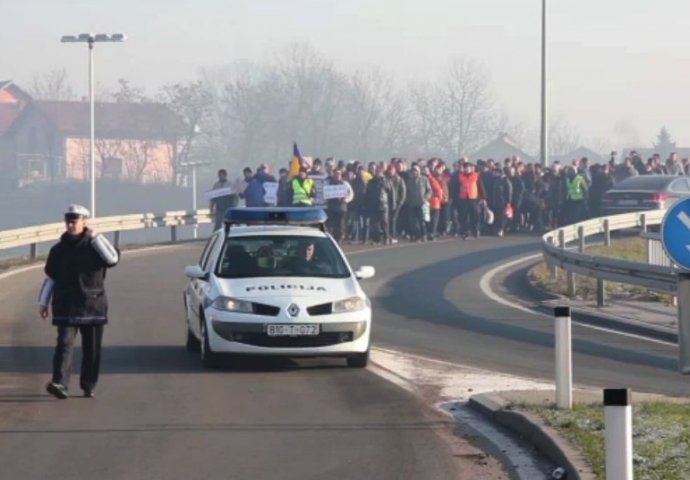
(209, 359)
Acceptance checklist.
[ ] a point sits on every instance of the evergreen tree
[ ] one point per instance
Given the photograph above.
(664, 143)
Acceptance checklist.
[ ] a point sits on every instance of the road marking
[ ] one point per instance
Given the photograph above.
(485, 286)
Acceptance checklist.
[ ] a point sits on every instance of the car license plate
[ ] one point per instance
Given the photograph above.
(302, 330)
(627, 202)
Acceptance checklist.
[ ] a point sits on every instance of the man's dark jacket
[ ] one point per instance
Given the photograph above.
(79, 272)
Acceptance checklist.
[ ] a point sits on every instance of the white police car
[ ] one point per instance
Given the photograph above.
(273, 282)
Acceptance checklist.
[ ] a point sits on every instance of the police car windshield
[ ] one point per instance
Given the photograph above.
(280, 256)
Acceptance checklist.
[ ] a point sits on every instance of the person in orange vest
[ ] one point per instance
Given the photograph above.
(470, 197)
(438, 198)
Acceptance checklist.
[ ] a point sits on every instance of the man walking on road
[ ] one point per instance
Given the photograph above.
(75, 272)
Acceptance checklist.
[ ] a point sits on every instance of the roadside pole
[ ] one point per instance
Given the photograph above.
(564, 361)
(675, 237)
(684, 323)
(618, 426)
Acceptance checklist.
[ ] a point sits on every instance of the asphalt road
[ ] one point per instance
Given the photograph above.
(428, 301)
(159, 415)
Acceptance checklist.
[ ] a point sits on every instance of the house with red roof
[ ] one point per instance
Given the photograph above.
(48, 141)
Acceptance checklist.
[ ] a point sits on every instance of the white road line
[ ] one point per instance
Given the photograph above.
(485, 286)
(12, 273)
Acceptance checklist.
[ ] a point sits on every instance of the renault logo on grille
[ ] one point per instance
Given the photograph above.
(293, 310)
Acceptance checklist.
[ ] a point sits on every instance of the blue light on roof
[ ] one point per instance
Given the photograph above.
(274, 216)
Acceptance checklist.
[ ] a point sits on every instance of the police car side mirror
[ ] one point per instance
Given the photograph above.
(362, 273)
(195, 271)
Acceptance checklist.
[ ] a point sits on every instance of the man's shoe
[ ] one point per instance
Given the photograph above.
(89, 393)
(57, 390)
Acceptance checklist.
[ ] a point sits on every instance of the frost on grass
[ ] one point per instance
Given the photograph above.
(661, 437)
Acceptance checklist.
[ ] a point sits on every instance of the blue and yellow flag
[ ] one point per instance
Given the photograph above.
(296, 162)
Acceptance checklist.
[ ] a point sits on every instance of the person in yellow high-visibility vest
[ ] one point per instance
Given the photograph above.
(575, 205)
(303, 190)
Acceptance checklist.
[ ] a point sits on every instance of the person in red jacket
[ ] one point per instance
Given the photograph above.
(470, 196)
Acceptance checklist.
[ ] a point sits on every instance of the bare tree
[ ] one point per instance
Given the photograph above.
(457, 116)
(191, 103)
(314, 90)
(51, 85)
(563, 137)
(126, 93)
(467, 108)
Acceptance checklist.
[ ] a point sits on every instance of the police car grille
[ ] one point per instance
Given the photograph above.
(268, 310)
(323, 339)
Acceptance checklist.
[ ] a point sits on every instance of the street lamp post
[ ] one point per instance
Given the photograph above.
(90, 39)
(544, 142)
(193, 166)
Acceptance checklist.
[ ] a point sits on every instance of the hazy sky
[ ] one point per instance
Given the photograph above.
(618, 68)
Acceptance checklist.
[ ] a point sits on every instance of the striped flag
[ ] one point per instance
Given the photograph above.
(296, 161)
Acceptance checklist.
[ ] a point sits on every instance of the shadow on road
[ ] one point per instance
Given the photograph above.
(249, 427)
(153, 359)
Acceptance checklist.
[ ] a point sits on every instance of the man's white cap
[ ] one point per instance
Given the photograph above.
(80, 210)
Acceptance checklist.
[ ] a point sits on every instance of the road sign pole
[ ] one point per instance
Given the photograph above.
(684, 323)
(675, 237)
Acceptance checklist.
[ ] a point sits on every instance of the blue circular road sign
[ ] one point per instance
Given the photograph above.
(675, 233)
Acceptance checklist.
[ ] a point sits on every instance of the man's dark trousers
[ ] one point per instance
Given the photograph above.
(91, 337)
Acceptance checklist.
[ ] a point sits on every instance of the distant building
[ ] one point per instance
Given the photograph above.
(501, 148)
(49, 140)
(577, 154)
(12, 101)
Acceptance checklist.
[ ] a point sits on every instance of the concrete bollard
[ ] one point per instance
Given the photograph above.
(618, 421)
(564, 358)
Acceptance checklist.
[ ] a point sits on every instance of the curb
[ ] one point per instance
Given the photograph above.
(532, 429)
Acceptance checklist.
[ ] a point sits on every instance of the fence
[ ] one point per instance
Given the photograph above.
(33, 236)
(558, 252)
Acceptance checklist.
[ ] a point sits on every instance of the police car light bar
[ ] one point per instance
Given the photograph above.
(274, 216)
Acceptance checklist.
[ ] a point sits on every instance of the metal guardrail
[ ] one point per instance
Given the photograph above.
(558, 252)
(32, 236)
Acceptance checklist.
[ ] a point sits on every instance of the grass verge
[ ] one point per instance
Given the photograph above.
(661, 436)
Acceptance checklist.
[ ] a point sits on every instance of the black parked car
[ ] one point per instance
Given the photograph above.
(644, 192)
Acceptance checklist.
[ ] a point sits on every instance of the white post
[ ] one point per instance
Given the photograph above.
(564, 362)
(92, 143)
(195, 232)
(618, 421)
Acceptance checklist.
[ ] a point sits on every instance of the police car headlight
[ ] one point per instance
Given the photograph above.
(233, 305)
(352, 304)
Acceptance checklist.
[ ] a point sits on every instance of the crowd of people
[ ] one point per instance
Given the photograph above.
(422, 200)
